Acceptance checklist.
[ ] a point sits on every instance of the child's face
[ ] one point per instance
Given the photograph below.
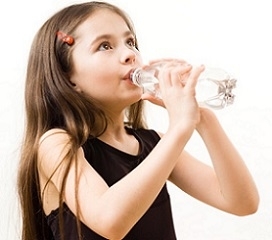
(103, 55)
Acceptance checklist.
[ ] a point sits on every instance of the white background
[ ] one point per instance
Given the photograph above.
(231, 34)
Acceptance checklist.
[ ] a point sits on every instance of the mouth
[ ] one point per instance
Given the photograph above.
(129, 74)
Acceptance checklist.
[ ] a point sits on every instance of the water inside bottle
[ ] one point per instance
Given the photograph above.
(214, 87)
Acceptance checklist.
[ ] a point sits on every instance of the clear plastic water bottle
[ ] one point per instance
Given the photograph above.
(213, 89)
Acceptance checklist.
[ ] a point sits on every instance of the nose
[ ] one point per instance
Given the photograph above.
(128, 56)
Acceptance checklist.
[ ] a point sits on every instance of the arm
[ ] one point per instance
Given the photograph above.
(229, 186)
(113, 211)
(110, 211)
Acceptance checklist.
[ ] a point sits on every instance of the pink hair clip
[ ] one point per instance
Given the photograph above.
(65, 38)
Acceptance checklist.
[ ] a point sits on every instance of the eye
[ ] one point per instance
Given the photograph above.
(131, 42)
(104, 46)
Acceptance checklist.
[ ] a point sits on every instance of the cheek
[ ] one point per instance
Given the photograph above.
(96, 84)
(93, 76)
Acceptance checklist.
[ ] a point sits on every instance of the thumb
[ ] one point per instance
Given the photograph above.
(153, 99)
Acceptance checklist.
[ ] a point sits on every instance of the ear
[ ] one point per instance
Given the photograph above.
(76, 87)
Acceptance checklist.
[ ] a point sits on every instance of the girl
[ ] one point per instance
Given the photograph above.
(90, 168)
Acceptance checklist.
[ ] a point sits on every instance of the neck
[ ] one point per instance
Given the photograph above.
(114, 131)
(117, 136)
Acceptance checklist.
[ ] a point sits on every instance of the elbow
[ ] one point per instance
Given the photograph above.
(248, 207)
(251, 208)
(246, 212)
(252, 204)
(110, 227)
(114, 231)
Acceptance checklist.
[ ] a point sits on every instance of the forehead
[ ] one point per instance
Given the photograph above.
(102, 21)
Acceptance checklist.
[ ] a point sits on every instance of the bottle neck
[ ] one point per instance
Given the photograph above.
(141, 76)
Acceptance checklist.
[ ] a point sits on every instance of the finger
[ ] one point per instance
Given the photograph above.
(179, 73)
(194, 75)
(163, 61)
(152, 99)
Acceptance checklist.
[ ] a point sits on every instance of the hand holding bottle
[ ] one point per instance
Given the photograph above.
(213, 89)
(176, 80)
(147, 78)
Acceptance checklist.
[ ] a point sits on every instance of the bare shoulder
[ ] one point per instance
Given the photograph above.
(53, 140)
(53, 147)
(53, 135)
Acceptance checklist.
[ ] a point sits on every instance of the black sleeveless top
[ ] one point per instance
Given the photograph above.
(113, 164)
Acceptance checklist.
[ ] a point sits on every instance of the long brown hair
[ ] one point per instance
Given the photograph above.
(51, 102)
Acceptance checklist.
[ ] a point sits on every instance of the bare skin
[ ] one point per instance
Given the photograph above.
(112, 214)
